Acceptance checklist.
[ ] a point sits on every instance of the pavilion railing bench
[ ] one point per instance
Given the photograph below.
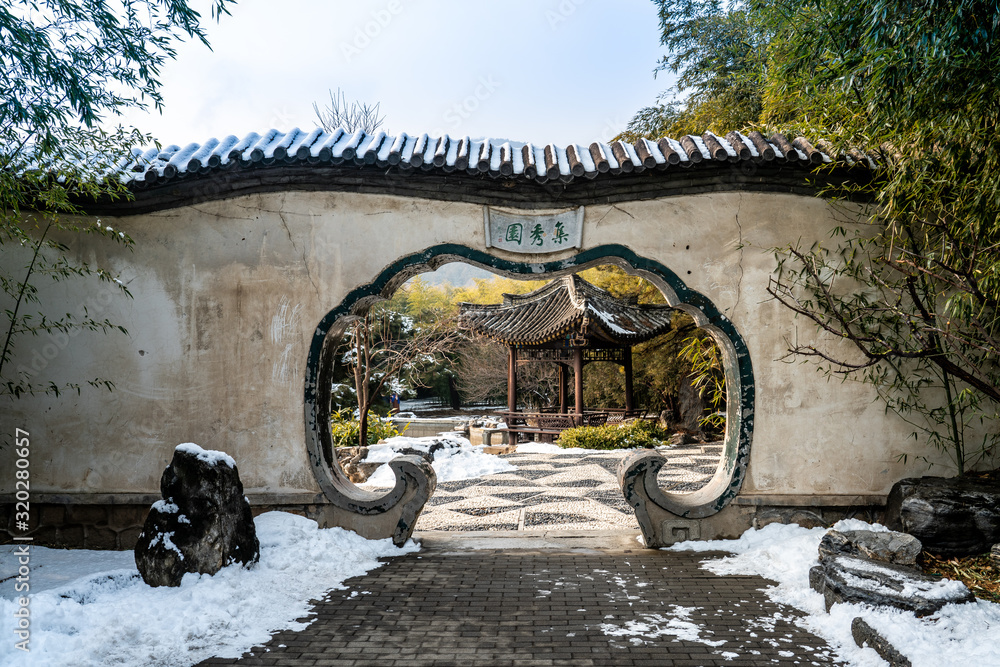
(622, 416)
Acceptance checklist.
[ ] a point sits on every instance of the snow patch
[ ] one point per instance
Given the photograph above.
(959, 635)
(676, 623)
(210, 456)
(166, 507)
(462, 460)
(104, 616)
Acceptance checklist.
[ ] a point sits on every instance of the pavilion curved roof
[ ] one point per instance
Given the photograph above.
(567, 307)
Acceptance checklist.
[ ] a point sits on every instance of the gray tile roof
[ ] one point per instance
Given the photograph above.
(563, 307)
(492, 157)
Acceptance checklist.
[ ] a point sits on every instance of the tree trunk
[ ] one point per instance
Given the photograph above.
(363, 426)
(361, 375)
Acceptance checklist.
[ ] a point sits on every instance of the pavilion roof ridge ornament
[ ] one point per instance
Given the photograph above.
(497, 158)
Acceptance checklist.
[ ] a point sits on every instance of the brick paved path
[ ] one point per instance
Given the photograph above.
(544, 601)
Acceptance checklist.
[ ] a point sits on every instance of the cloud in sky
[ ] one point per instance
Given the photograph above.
(531, 70)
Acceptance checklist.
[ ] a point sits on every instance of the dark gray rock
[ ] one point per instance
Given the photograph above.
(202, 524)
(885, 547)
(858, 580)
(950, 517)
(683, 438)
(866, 635)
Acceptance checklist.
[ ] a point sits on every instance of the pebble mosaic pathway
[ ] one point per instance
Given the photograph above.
(568, 490)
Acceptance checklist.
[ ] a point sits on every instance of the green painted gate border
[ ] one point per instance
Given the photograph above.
(317, 415)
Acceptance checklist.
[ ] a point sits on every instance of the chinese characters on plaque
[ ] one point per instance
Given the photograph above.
(519, 232)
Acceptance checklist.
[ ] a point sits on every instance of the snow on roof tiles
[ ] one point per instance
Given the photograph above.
(498, 158)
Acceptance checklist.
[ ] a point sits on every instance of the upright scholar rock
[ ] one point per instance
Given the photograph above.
(203, 522)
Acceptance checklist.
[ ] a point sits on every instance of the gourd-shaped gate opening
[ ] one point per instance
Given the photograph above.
(394, 513)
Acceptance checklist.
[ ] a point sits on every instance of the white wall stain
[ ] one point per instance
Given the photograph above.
(284, 326)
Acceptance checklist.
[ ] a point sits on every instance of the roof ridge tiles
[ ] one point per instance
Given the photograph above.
(278, 147)
(462, 153)
(255, 152)
(499, 158)
(301, 148)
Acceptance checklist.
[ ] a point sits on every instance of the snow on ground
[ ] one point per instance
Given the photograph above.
(540, 448)
(462, 461)
(960, 635)
(109, 616)
(675, 623)
(52, 568)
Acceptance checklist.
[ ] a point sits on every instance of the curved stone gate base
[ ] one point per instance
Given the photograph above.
(663, 522)
(397, 520)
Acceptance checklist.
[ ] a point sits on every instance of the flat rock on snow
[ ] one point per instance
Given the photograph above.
(859, 580)
(882, 546)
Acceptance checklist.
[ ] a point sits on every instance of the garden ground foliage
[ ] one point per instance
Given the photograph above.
(634, 434)
(345, 428)
(980, 574)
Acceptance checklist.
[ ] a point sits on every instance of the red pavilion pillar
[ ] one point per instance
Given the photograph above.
(511, 379)
(578, 382)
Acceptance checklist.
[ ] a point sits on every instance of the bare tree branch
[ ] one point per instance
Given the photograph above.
(352, 117)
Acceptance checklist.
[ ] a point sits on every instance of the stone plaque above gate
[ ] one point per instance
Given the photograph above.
(534, 234)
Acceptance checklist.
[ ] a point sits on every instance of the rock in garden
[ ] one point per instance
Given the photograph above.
(203, 522)
(859, 580)
(352, 462)
(426, 447)
(885, 547)
(683, 438)
(952, 517)
(866, 635)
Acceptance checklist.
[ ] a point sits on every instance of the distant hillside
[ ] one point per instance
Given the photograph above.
(457, 274)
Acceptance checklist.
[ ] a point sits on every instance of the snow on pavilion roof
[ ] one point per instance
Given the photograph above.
(494, 157)
(563, 308)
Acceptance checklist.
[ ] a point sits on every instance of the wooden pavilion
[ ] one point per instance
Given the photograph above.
(569, 322)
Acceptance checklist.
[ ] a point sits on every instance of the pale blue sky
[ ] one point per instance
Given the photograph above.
(565, 71)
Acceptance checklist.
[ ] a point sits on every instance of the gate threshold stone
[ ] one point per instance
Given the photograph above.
(532, 540)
